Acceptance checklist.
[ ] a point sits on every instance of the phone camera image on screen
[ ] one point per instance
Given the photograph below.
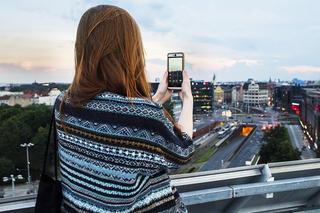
(175, 64)
(175, 68)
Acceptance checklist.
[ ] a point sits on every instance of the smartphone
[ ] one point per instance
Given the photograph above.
(175, 63)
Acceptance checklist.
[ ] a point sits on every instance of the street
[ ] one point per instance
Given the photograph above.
(298, 141)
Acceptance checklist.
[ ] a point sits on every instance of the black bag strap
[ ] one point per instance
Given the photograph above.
(52, 125)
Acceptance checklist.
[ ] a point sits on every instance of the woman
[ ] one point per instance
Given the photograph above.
(116, 142)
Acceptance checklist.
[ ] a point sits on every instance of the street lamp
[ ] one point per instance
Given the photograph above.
(13, 179)
(27, 145)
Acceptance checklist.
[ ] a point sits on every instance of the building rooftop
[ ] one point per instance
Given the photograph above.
(290, 186)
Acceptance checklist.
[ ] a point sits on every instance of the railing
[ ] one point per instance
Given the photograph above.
(285, 186)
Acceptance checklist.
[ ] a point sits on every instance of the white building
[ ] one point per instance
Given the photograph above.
(4, 100)
(50, 99)
(4, 93)
(236, 95)
(255, 94)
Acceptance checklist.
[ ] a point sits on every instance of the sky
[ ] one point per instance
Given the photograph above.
(235, 40)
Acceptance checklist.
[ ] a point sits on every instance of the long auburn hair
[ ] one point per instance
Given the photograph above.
(109, 56)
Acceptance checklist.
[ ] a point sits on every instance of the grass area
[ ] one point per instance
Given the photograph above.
(188, 170)
(206, 155)
(201, 155)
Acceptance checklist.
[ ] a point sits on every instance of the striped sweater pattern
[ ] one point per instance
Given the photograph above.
(114, 155)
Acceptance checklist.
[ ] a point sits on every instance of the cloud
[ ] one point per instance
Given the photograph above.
(218, 63)
(26, 72)
(301, 69)
(259, 39)
(203, 67)
(26, 66)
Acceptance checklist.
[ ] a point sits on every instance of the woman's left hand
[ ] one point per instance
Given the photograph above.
(163, 93)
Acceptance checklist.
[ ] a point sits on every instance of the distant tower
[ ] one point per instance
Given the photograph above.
(213, 88)
(213, 78)
(270, 81)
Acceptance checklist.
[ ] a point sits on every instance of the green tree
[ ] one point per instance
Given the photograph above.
(278, 147)
(6, 167)
(37, 151)
(23, 125)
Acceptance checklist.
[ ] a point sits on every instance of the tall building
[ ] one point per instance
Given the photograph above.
(237, 95)
(285, 95)
(218, 95)
(202, 92)
(255, 94)
(227, 93)
(310, 112)
(282, 97)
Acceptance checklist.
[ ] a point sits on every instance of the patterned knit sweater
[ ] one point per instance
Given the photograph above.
(115, 153)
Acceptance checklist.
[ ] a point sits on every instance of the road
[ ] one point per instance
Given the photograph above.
(223, 153)
(249, 149)
(298, 141)
(205, 121)
(252, 146)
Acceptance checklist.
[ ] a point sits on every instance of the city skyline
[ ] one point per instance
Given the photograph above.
(235, 41)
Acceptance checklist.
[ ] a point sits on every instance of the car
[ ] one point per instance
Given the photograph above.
(217, 129)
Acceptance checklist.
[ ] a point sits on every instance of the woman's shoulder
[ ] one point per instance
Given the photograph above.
(112, 103)
(117, 98)
(136, 106)
(114, 97)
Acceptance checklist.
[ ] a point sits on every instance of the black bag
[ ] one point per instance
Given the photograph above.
(49, 196)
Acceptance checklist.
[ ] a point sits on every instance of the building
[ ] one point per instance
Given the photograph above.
(310, 112)
(282, 97)
(4, 100)
(218, 95)
(237, 95)
(202, 92)
(304, 102)
(255, 94)
(285, 95)
(177, 105)
(254, 188)
(227, 93)
(21, 100)
(6, 92)
(48, 99)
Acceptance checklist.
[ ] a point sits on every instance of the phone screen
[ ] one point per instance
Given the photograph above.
(175, 64)
(175, 68)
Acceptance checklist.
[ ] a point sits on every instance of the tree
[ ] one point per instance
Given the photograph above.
(278, 147)
(23, 125)
(6, 167)
(37, 151)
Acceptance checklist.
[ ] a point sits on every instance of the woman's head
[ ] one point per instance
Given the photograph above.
(109, 56)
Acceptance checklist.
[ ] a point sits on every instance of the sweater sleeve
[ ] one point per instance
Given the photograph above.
(177, 149)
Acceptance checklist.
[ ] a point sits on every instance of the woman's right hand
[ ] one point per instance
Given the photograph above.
(185, 94)
(163, 93)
